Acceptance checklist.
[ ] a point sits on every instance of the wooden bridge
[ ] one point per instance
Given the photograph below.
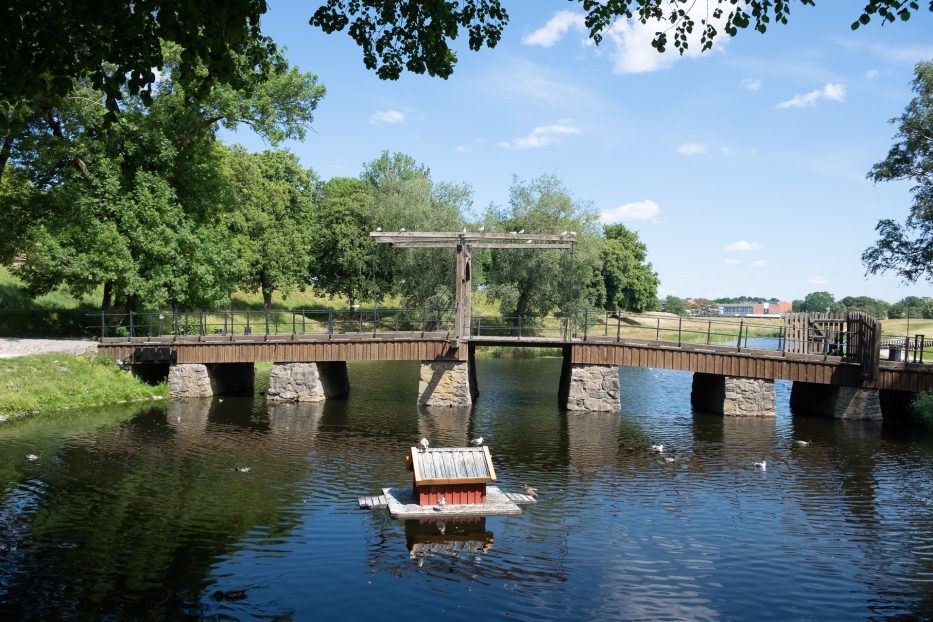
(820, 353)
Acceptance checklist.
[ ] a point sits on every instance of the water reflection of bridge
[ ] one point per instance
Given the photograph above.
(833, 361)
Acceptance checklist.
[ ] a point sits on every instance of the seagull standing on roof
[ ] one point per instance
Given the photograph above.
(424, 444)
(476, 442)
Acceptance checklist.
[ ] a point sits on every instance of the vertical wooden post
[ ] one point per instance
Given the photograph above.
(741, 326)
(618, 324)
(464, 290)
(132, 328)
(103, 325)
(657, 334)
(606, 325)
(330, 322)
(709, 329)
(680, 327)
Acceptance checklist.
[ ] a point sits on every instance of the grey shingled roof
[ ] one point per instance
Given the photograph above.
(470, 464)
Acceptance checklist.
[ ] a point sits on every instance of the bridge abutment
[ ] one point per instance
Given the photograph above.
(825, 400)
(200, 380)
(592, 388)
(447, 384)
(733, 396)
(308, 382)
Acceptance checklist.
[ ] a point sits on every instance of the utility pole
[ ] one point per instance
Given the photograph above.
(465, 242)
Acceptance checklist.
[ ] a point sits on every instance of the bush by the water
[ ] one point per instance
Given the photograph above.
(46, 382)
(922, 408)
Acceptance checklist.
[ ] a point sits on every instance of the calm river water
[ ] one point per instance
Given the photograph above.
(143, 514)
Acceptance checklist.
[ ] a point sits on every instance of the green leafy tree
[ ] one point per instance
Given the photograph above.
(702, 306)
(820, 302)
(629, 281)
(405, 197)
(342, 253)
(913, 307)
(535, 283)
(673, 304)
(136, 205)
(422, 29)
(871, 306)
(271, 219)
(907, 249)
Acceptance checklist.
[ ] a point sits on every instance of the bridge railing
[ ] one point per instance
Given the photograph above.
(758, 333)
(273, 322)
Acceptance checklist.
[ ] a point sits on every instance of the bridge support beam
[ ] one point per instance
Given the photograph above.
(733, 396)
(308, 382)
(198, 380)
(826, 400)
(593, 388)
(446, 384)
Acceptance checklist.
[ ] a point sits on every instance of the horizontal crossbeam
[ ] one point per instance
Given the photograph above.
(452, 238)
(475, 245)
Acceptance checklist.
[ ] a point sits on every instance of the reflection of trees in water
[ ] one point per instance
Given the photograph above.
(149, 508)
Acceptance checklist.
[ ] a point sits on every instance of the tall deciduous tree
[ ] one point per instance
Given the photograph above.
(135, 205)
(673, 304)
(342, 253)
(538, 282)
(271, 219)
(907, 249)
(405, 197)
(629, 280)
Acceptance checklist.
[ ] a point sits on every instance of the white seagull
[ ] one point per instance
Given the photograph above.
(440, 504)
(803, 443)
(476, 442)
(763, 465)
(658, 448)
(424, 444)
(32, 457)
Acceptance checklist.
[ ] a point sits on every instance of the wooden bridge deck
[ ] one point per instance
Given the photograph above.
(424, 346)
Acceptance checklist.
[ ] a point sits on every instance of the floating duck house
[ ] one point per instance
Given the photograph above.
(458, 474)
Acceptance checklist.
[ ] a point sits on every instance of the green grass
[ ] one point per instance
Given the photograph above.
(50, 382)
(511, 352)
(57, 314)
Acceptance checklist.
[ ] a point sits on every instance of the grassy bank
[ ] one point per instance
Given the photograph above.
(49, 382)
(510, 352)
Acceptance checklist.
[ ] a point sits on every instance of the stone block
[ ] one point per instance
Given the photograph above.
(189, 380)
(593, 388)
(445, 384)
(733, 396)
(300, 382)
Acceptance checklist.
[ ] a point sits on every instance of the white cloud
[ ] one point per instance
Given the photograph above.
(554, 30)
(872, 74)
(691, 149)
(731, 262)
(633, 52)
(760, 263)
(639, 210)
(832, 92)
(526, 82)
(751, 84)
(742, 245)
(911, 54)
(463, 149)
(818, 280)
(542, 135)
(629, 41)
(387, 116)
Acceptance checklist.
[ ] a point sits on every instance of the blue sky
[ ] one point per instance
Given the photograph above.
(742, 169)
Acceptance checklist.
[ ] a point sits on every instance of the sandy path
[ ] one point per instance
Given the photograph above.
(12, 346)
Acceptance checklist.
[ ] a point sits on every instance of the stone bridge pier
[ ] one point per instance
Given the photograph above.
(206, 380)
(733, 396)
(308, 382)
(588, 387)
(826, 400)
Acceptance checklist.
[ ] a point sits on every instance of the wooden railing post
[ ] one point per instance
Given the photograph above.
(680, 327)
(103, 325)
(618, 324)
(132, 328)
(741, 326)
(330, 321)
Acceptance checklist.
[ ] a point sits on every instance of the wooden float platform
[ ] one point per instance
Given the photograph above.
(402, 504)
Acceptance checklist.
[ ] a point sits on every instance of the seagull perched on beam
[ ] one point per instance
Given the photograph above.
(477, 442)
(424, 444)
(378, 229)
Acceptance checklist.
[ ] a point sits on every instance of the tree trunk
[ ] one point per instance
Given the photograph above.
(57, 131)
(108, 296)
(520, 309)
(5, 149)
(266, 298)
